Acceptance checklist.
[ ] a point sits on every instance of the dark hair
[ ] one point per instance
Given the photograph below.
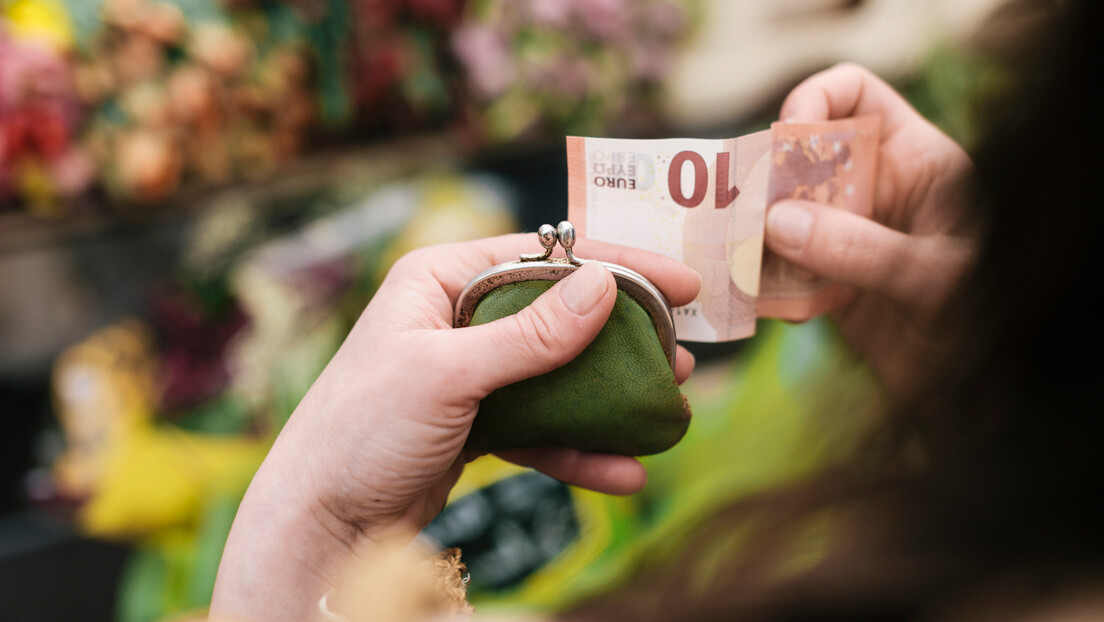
(1015, 426)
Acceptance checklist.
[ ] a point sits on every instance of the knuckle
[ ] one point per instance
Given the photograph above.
(850, 68)
(541, 334)
(841, 249)
(412, 261)
(575, 467)
(854, 255)
(898, 255)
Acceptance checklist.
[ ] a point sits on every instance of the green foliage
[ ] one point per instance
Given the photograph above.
(954, 88)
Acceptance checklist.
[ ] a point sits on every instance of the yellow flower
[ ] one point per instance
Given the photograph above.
(45, 21)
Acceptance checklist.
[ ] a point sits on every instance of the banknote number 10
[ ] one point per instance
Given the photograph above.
(725, 194)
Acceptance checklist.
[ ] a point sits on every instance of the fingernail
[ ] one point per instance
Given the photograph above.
(700, 280)
(582, 291)
(789, 225)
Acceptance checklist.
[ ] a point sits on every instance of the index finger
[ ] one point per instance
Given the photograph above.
(847, 90)
(454, 265)
(605, 473)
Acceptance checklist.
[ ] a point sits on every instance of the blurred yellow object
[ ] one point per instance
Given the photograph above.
(482, 473)
(393, 580)
(194, 616)
(39, 20)
(156, 478)
(136, 477)
(451, 208)
(36, 186)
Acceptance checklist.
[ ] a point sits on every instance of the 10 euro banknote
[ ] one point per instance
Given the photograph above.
(702, 202)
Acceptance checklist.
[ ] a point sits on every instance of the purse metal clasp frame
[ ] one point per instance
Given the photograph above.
(544, 267)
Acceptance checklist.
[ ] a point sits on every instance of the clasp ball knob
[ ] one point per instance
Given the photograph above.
(565, 231)
(547, 235)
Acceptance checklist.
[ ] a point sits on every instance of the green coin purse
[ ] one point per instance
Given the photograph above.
(618, 396)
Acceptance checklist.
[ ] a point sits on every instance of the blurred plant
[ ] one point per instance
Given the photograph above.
(555, 66)
(954, 88)
(303, 292)
(208, 101)
(395, 65)
(202, 94)
(39, 114)
(397, 58)
(195, 332)
(134, 476)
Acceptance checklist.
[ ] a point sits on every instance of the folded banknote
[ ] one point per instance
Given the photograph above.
(702, 202)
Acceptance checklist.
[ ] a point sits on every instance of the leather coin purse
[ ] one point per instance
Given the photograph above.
(618, 396)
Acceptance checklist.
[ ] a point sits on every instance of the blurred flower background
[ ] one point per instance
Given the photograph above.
(138, 100)
(198, 197)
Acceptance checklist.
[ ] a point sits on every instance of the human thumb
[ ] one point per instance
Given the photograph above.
(840, 246)
(547, 334)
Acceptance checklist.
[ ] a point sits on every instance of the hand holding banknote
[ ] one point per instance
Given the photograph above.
(901, 264)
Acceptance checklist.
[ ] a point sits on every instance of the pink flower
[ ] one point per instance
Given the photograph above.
(72, 172)
(38, 116)
(31, 74)
(650, 65)
(483, 52)
(563, 77)
(605, 19)
(550, 13)
(665, 20)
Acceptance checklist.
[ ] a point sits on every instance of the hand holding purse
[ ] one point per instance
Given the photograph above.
(618, 396)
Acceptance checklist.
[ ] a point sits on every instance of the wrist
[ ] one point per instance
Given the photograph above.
(283, 553)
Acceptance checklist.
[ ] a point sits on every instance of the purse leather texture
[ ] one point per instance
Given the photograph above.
(618, 396)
